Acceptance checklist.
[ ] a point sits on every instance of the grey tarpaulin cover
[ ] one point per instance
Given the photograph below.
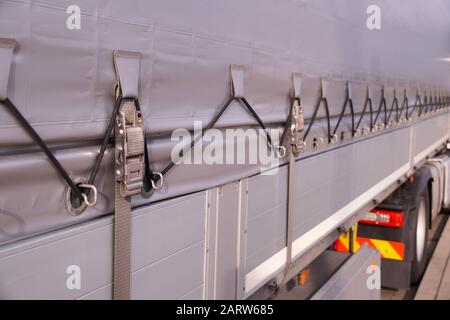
(62, 80)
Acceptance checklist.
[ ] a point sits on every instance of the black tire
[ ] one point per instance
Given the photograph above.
(418, 236)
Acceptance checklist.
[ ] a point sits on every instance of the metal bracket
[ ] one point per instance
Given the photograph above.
(349, 90)
(369, 91)
(127, 65)
(324, 86)
(6, 55)
(237, 80)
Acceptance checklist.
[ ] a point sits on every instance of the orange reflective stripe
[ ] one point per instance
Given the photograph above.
(340, 245)
(399, 247)
(388, 249)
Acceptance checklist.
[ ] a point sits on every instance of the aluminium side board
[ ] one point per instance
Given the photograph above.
(213, 231)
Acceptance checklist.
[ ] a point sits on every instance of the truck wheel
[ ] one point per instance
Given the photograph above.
(419, 236)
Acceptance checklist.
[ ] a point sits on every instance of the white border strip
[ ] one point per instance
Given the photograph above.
(420, 156)
(265, 271)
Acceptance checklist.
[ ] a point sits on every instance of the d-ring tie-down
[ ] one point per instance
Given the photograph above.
(85, 196)
(158, 183)
(84, 201)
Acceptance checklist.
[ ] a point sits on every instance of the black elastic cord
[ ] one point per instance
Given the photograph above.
(213, 121)
(394, 104)
(424, 107)
(12, 108)
(348, 101)
(258, 119)
(430, 104)
(382, 104)
(368, 102)
(404, 105)
(106, 140)
(75, 189)
(209, 126)
(417, 103)
(314, 116)
(437, 103)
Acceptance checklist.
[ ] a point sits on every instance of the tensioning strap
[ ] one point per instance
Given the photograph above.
(294, 145)
(129, 166)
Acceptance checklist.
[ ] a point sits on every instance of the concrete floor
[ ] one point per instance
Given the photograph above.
(435, 284)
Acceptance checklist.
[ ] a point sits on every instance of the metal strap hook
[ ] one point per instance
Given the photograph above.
(85, 197)
(159, 184)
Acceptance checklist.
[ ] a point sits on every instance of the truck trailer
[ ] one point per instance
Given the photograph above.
(220, 149)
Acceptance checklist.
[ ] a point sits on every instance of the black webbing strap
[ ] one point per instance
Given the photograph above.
(348, 101)
(382, 105)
